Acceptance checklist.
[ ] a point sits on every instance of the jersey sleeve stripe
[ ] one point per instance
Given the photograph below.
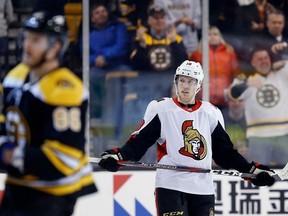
(63, 186)
(67, 164)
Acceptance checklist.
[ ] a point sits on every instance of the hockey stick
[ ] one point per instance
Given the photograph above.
(282, 175)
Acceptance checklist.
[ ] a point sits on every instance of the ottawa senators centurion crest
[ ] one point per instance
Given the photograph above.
(194, 143)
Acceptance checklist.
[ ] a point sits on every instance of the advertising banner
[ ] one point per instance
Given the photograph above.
(131, 193)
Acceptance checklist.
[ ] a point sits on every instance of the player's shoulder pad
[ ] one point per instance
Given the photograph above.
(216, 112)
(210, 108)
(16, 77)
(178, 38)
(157, 104)
(213, 111)
(60, 88)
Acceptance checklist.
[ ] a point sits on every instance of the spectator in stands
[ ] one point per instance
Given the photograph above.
(223, 14)
(272, 38)
(6, 18)
(281, 5)
(250, 23)
(235, 123)
(265, 103)
(133, 13)
(186, 16)
(253, 17)
(109, 51)
(223, 65)
(275, 35)
(108, 41)
(158, 48)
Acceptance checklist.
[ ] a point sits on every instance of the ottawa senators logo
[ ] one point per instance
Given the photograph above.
(194, 143)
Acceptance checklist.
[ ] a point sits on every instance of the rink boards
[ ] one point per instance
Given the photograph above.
(131, 193)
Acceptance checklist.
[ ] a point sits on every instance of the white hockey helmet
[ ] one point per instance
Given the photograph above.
(190, 69)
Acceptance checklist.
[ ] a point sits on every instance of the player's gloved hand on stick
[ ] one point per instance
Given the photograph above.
(109, 160)
(264, 175)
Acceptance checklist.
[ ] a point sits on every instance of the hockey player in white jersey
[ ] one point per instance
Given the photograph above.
(187, 132)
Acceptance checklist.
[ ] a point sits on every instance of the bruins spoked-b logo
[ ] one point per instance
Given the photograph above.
(268, 96)
(194, 143)
(160, 58)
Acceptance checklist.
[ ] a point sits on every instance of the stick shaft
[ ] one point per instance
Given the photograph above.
(280, 176)
(179, 168)
(187, 169)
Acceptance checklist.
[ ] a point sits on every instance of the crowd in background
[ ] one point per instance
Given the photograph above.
(157, 35)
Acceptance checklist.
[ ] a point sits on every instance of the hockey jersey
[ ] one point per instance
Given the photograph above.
(46, 121)
(266, 107)
(185, 136)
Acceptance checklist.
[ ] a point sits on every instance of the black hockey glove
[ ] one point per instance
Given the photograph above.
(109, 160)
(264, 175)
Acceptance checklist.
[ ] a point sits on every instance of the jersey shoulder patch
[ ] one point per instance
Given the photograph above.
(61, 88)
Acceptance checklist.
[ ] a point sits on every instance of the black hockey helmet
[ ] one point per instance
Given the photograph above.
(46, 23)
(54, 26)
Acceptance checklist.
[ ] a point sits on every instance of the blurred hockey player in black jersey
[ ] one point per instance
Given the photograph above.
(43, 139)
(187, 132)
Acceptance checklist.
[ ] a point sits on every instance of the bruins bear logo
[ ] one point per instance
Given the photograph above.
(194, 143)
